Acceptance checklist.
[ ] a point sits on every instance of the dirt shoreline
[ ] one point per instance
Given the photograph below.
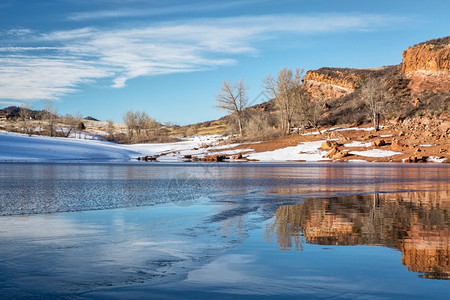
(417, 140)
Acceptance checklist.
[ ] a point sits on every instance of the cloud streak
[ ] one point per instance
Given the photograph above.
(157, 11)
(50, 65)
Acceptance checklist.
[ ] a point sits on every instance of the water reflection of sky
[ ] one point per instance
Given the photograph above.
(86, 250)
(223, 231)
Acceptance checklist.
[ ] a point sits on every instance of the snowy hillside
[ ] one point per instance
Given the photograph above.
(20, 147)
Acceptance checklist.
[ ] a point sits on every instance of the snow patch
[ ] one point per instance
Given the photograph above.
(309, 152)
(375, 153)
(436, 159)
(357, 144)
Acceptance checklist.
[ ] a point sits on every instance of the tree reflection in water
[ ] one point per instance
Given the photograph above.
(416, 223)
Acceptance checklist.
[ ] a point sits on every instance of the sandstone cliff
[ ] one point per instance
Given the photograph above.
(432, 55)
(426, 68)
(331, 83)
(427, 65)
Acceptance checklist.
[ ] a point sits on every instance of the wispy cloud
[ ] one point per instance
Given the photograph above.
(19, 32)
(157, 11)
(56, 63)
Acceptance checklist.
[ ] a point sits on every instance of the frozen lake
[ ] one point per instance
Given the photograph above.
(152, 230)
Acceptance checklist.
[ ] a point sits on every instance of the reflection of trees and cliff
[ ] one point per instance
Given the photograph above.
(416, 223)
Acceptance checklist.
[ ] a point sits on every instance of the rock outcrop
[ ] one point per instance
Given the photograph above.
(331, 83)
(433, 55)
(427, 65)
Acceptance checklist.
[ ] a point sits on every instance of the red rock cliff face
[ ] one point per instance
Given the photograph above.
(427, 65)
(329, 83)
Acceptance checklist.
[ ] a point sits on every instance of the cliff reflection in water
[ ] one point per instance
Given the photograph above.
(416, 223)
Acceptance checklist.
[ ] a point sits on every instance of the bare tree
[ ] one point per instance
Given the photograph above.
(110, 129)
(130, 120)
(79, 123)
(50, 114)
(285, 92)
(151, 126)
(25, 118)
(71, 123)
(141, 123)
(308, 111)
(373, 95)
(233, 99)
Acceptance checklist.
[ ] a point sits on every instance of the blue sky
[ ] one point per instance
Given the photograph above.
(169, 58)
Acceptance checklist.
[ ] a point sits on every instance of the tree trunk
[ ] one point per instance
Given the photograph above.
(240, 125)
(375, 121)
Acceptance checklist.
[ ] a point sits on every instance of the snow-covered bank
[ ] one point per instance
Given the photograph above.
(195, 146)
(19, 147)
(355, 145)
(307, 151)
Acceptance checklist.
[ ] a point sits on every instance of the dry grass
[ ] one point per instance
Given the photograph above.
(206, 128)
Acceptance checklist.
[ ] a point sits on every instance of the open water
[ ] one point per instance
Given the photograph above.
(250, 230)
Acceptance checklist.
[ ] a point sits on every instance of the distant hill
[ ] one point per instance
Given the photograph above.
(12, 112)
(89, 118)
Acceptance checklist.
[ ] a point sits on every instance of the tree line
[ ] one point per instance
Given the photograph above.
(44, 122)
(294, 107)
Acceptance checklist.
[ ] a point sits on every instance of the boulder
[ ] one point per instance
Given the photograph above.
(237, 156)
(378, 143)
(340, 155)
(415, 159)
(344, 140)
(329, 145)
(213, 158)
(335, 153)
(149, 158)
(396, 145)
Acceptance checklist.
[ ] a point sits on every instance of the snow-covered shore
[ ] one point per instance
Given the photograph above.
(15, 147)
